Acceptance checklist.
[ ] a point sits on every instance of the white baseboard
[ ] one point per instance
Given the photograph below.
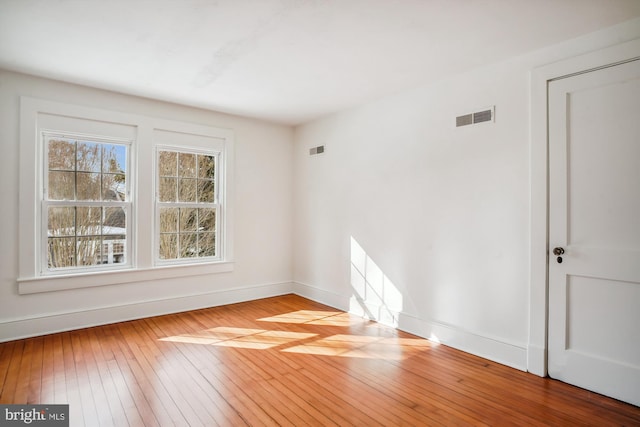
(497, 350)
(59, 322)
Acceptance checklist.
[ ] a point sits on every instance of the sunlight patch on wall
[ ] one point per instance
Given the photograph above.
(374, 294)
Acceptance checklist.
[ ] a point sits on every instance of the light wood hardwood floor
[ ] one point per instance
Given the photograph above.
(282, 361)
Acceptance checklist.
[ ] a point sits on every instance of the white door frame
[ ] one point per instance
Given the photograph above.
(539, 166)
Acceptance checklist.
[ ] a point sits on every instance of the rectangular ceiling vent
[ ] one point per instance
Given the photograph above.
(481, 116)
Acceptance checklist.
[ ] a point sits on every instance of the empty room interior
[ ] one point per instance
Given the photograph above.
(320, 212)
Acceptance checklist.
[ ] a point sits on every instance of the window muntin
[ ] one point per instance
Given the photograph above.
(188, 206)
(86, 206)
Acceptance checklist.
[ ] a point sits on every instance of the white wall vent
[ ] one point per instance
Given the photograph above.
(467, 119)
(480, 116)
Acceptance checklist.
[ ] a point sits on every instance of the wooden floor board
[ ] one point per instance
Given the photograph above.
(144, 395)
(283, 361)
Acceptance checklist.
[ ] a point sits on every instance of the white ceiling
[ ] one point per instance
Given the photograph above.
(287, 61)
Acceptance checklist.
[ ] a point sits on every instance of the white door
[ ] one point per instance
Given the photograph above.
(594, 218)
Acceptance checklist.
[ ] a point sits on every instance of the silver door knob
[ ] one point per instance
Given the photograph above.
(558, 251)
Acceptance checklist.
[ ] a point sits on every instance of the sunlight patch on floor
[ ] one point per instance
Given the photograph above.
(364, 347)
(240, 337)
(378, 346)
(311, 317)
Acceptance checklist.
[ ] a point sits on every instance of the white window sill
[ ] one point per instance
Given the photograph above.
(34, 285)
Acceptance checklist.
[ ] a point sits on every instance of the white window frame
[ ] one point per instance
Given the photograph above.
(45, 136)
(145, 133)
(217, 204)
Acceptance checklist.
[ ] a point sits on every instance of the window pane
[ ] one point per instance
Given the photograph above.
(207, 219)
(168, 163)
(206, 166)
(168, 189)
(61, 222)
(114, 158)
(88, 186)
(207, 244)
(115, 221)
(62, 155)
(188, 219)
(61, 252)
(187, 165)
(188, 245)
(88, 221)
(168, 246)
(168, 220)
(187, 190)
(205, 191)
(89, 251)
(88, 157)
(113, 187)
(61, 186)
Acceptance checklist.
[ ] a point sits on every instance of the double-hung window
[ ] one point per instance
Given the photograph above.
(106, 197)
(86, 205)
(187, 206)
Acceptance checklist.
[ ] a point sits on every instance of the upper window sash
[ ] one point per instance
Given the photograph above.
(187, 175)
(98, 166)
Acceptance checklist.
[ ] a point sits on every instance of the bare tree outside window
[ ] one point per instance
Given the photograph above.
(187, 205)
(86, 217)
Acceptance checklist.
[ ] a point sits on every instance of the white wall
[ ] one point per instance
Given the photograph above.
(416, 223)
(263, 216)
